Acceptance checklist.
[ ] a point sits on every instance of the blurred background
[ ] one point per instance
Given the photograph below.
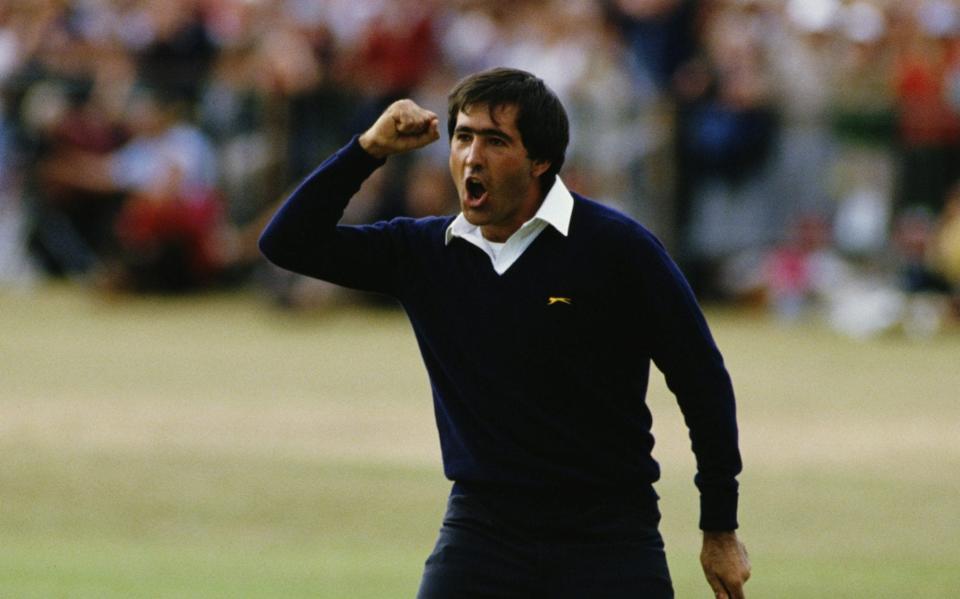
(794, 153)
(179, 418)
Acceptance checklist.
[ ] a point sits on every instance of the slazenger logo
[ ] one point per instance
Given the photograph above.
(558, 300)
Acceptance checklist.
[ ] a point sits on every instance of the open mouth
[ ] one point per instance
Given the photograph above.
(475, 189)
(476, 193)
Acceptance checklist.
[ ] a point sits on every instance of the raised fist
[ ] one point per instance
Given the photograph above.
(403, 126)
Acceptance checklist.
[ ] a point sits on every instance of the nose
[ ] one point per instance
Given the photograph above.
(474, 155)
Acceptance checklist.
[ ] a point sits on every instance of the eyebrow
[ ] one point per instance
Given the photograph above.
(488, 132)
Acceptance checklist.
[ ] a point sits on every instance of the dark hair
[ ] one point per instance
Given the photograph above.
(541, 118)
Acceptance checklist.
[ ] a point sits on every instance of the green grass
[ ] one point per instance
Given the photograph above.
(213, 447)
(204, 526)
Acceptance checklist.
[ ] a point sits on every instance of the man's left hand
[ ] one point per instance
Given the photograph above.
(725, 564)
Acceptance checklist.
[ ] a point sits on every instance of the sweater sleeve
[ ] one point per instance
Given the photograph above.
(684, 350)
(304, 237)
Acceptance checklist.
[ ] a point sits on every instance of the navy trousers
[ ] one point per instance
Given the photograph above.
(608, 553)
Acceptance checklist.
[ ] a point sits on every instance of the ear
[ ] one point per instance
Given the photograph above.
(539, 167)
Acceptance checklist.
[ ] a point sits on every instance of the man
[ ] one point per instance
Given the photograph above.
(537, 312)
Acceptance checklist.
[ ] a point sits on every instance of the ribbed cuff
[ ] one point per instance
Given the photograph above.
(354, 151)
(718, 511)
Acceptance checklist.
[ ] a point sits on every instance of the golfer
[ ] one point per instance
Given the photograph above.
(538, 313)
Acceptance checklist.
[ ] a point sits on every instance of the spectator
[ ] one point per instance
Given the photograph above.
(863, 122)
(170, 214)
(729, 126)
(722, 124)
(929, 128)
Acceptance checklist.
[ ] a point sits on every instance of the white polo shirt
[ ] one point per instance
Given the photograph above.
(555, 211)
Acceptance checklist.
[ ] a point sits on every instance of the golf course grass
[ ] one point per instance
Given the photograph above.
(215, 446)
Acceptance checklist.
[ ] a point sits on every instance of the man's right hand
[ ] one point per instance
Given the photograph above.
(403, 126)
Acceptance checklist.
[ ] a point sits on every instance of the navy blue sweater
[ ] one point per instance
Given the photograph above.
(529, 394)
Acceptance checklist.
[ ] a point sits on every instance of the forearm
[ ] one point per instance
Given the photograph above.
(684, 350)
(711, 420)
(709, 410)
(308, 217)
(697, 376)
(303, 235)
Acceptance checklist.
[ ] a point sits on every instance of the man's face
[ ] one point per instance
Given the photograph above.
(497, 182)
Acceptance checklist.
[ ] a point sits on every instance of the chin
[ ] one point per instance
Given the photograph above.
(473, 218)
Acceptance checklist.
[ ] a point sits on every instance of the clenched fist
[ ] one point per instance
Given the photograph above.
(403, 126)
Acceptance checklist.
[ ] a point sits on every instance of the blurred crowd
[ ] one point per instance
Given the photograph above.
(803, 154)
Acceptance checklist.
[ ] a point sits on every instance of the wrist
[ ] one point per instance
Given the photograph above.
(370, 146)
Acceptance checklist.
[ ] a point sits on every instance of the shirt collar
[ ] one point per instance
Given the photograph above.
(556, 210)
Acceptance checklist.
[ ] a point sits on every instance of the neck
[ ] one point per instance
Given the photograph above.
(500, 232)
